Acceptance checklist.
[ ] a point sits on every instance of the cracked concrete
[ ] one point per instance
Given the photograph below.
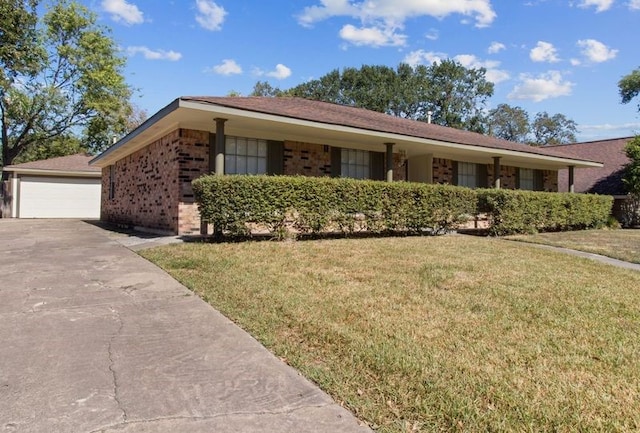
(96, 339)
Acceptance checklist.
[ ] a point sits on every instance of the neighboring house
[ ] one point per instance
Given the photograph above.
(598, 180)
(64, 187)
(146, 176)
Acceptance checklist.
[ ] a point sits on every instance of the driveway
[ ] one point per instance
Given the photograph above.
(96, 339)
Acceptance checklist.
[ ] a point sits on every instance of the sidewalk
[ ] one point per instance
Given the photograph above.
(96, 339)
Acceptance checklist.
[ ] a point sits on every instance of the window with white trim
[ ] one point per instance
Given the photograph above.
(245, 155)
(468, 174)
(527, 180)
(355, 163)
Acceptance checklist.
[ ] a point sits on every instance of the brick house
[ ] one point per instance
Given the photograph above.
(606, 179)
(146, 176)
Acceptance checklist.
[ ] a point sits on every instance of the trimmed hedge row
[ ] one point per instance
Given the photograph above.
(308, 205)
(517, 211)
(285, 205)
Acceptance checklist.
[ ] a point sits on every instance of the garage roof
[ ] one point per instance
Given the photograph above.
(71, 165)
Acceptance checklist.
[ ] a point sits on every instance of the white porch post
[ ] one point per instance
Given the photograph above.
(496, 172)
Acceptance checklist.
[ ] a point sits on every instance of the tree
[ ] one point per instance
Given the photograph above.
(77, 89)
(550, 130)
(629, 86)
(631, 181)
(455, 95)
(263, 88)
(509, 123)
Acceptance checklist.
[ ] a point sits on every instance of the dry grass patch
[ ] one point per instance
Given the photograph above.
(437, 334)
(619, 244)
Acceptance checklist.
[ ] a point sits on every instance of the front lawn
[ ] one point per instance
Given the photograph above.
(451, 333)
(619, 244)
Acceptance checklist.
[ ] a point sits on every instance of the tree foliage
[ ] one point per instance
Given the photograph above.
(550, 130)
(631, 177)
(446, 91)
(509, 123)
(78, 88)
(629, 86)
(512, 123)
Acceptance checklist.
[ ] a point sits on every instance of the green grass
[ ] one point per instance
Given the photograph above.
(619, 244)
(426, 334)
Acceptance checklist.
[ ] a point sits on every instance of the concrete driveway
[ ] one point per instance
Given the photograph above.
(96, 339)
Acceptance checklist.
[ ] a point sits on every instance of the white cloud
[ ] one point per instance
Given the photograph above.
(544, 86)
(595, 51)
(120, 10)
(496, 47)
(634, 5)
(419, 57)
(601, 5)
(210, 16)
(227, 67)
(544, 52)
(493, 74)
(372, 36)
(280, 73)
(381, 18)
(150, 54)
(434, 35)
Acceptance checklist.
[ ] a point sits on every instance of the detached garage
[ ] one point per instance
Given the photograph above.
(64, 187)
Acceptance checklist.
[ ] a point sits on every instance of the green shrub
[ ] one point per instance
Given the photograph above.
(513, 212)
(237, 204)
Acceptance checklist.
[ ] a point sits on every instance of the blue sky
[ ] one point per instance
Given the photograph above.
(558, 56)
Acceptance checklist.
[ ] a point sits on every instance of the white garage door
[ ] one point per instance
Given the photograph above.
(59, 197)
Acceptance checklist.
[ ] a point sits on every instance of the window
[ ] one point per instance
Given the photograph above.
(467, 174)
(527, 179)
(245, 155)
(355, 163)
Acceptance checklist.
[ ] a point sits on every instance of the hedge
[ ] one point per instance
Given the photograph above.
(281, 205)
(512, 212)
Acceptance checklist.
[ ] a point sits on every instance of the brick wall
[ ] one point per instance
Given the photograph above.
(442, 171)
(306, 159)
(153, 185)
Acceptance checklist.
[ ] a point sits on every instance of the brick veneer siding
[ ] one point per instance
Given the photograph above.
(306, 159)
(153, 185)
(442, 171)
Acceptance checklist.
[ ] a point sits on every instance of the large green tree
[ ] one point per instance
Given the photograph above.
(509, 123)
(552, 130)
(629, 86)
(447, 92)
(512, 123)
(77, 89)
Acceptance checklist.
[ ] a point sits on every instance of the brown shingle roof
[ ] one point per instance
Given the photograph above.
(604, 180)
(324, 112)
(78, 162)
